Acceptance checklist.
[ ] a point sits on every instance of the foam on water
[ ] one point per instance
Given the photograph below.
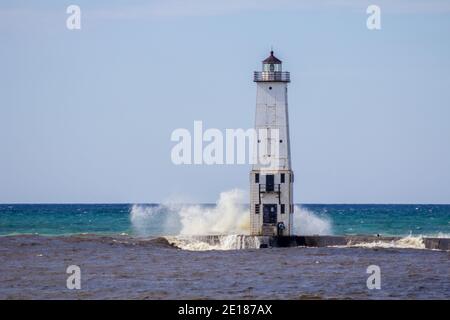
(222, 242)
(409, 242)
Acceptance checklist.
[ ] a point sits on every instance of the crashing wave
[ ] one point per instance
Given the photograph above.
(218, 242)
(409, 242)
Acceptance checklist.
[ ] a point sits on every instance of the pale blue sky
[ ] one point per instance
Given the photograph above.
(86, 116)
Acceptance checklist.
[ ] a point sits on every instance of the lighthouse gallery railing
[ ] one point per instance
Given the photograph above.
(271, 76)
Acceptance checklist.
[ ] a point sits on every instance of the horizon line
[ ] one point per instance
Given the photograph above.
(213, 203)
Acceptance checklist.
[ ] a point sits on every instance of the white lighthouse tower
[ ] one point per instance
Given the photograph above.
(271, 201)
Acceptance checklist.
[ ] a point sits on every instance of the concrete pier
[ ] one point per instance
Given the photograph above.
(437, 243)
(326, 241)
(247, 241)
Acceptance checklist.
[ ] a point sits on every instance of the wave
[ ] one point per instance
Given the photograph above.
(237, 242)
(226, 225)
(223, 226)
(229, 216)
(408, 242)
(221, 242)
(154, 220)
(440, 235)
(307, 223)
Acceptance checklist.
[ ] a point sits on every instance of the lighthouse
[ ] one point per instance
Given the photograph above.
(271, 180)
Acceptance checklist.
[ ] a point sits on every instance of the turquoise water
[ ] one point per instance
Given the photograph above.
(156, 220)
(395, 220)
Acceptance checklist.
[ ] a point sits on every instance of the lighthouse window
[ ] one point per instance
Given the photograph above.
(281, 141)
(269, 183)
(257, 208)
(270, 88)
(282, 178)
(282, 208)
(256, 177)
(272, 68)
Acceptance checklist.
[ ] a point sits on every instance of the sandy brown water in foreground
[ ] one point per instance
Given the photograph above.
(34, 267)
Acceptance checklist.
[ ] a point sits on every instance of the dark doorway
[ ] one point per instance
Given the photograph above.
(269, 213)
(269, 182)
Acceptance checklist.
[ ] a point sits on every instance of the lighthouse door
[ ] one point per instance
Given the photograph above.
(269, 213)
(269, 182)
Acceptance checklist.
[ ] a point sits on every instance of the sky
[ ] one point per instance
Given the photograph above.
(86, 115)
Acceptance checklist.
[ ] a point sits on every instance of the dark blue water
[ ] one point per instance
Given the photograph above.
(156, 220)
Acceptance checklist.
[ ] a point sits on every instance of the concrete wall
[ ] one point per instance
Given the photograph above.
(326, 241)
